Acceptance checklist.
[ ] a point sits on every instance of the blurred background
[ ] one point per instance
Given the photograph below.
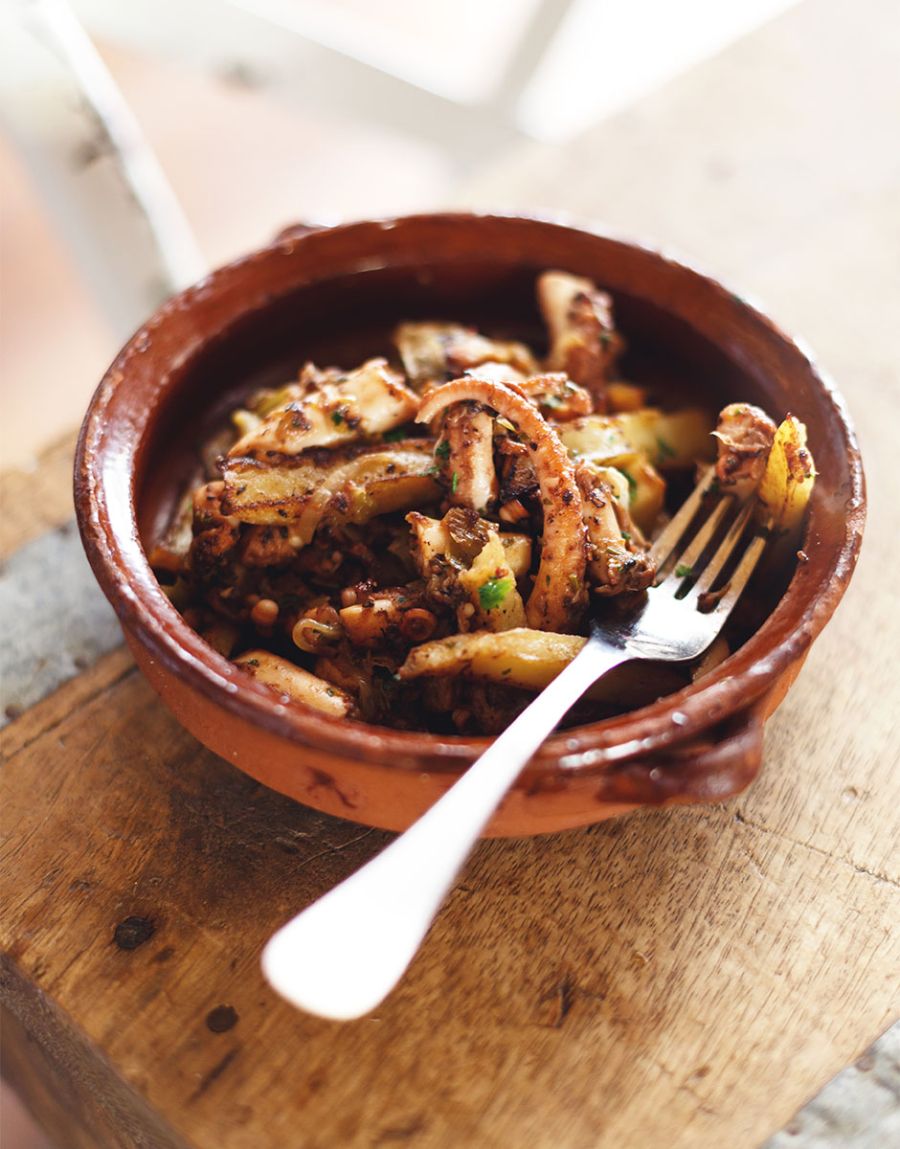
(220, 121)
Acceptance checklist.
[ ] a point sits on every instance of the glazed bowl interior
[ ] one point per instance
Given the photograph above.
(333, 296)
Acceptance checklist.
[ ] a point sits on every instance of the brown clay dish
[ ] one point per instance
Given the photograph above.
(252, 321)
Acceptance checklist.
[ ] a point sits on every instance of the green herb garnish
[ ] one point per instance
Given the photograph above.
(454, 482)
(632, 483)
(684, 571)
(492, 593)
(666, 450)
(337, 417)
(442, 450)
(394, 436)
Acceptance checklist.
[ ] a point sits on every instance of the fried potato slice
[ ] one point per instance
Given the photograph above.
(646, 490)
(298, 684)
(519, 657)
(531, 659)
(432, 540)
(670, 440)
(789, 477)
(491, 586)
(433, 351)
(354, 487)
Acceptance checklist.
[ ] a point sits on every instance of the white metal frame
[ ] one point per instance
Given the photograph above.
(100, 181)
(97, 177)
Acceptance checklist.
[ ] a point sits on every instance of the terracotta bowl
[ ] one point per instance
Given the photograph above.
(332, 294)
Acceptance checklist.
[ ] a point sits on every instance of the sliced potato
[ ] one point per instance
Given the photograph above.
(431, 539)
(491, 586)
(517, 551)
(300, 494)
(789, 477)
(670, 440)
(296, 683)
(531, 659)
(621, 396)
(368, 401)
(646, 490)
(520, 657)
(432, 351)
(596, 437)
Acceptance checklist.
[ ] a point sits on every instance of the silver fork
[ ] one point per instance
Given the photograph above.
(342, 955)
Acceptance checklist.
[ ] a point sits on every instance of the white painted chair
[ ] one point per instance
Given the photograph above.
(96, 174)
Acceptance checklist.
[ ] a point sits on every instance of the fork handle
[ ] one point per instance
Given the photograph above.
(341, 956)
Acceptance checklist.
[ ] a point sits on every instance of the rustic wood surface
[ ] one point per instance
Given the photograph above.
(36, 500)
(679, 978)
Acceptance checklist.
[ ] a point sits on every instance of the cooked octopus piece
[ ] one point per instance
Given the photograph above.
(618, 560)
(433, 577)
(469, 435)
(558, 598)
(745, 434)
(368, 401)
(583, 339)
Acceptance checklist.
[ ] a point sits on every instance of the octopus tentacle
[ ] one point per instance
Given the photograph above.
(559, 597)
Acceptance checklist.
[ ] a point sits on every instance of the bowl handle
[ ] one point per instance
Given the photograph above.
(711, 768)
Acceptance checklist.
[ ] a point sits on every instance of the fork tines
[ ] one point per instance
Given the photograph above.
(689, 558)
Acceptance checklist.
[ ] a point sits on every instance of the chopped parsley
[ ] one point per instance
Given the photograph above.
(666, 450)
(492, 593)
(632, 483)
(626, 536)
(454, 482)
(394, 436)
(684, 571)
(442, 450)
(337, 417)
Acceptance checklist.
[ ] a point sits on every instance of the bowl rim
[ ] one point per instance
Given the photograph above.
(122, 569)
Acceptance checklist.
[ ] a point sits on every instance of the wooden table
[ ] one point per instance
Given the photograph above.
(680, 978)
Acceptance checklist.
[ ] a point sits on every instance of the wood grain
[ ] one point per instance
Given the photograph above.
(36, 500)
(685, 978)
(647, 980)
